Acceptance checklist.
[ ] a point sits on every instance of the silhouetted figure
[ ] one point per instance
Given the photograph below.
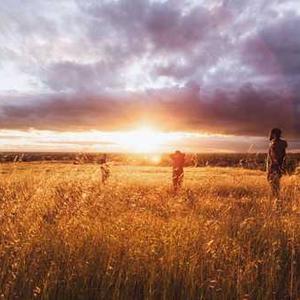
(105, 171)
(178, 159)
(275, 161)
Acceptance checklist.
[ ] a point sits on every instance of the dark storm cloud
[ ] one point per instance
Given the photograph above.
(184, 40)
(275, 49)
(162, 24)
(65, 112)
(248, 111)
(128, 32)
(227, 43)
(166, 27)
(79, 77)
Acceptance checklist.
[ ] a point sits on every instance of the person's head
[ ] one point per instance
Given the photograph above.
(275, 134)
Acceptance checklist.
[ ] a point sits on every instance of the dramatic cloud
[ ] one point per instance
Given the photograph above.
(228, 66)
(247, 111)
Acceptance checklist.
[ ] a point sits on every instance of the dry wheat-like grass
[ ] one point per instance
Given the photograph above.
(65, 236)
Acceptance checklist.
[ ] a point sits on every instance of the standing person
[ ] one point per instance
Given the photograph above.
(104, 167)
(178, 160)
(275, 161)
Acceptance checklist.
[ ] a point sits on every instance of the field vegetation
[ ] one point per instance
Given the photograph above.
(65, 236)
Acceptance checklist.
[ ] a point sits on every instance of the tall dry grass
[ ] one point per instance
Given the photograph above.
(64, 236)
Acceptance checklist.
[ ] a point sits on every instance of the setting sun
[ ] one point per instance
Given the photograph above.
(142, 140)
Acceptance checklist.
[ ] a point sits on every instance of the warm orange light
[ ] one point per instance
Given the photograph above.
(142, 140)
(156, 159)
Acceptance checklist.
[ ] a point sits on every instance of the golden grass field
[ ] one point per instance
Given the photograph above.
(65, 236)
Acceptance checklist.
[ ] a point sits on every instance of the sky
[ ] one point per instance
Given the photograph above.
(203, 76)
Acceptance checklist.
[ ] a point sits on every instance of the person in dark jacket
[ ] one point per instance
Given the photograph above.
(275, 160)
(178, 159)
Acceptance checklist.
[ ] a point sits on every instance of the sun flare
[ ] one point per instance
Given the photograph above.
(142, 140)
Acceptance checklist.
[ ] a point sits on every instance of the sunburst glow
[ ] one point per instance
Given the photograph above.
(142, 140)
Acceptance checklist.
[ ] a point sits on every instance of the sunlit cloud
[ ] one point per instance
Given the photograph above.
(83, 66)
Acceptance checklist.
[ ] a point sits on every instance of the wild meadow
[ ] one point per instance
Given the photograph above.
(66, 236)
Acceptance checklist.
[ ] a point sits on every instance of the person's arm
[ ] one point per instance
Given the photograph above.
(269, 158)
(273, 155)
(172, 160)
(285, 147)
(284, 155)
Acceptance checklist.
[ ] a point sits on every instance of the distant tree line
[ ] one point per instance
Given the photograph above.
(255, 161)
